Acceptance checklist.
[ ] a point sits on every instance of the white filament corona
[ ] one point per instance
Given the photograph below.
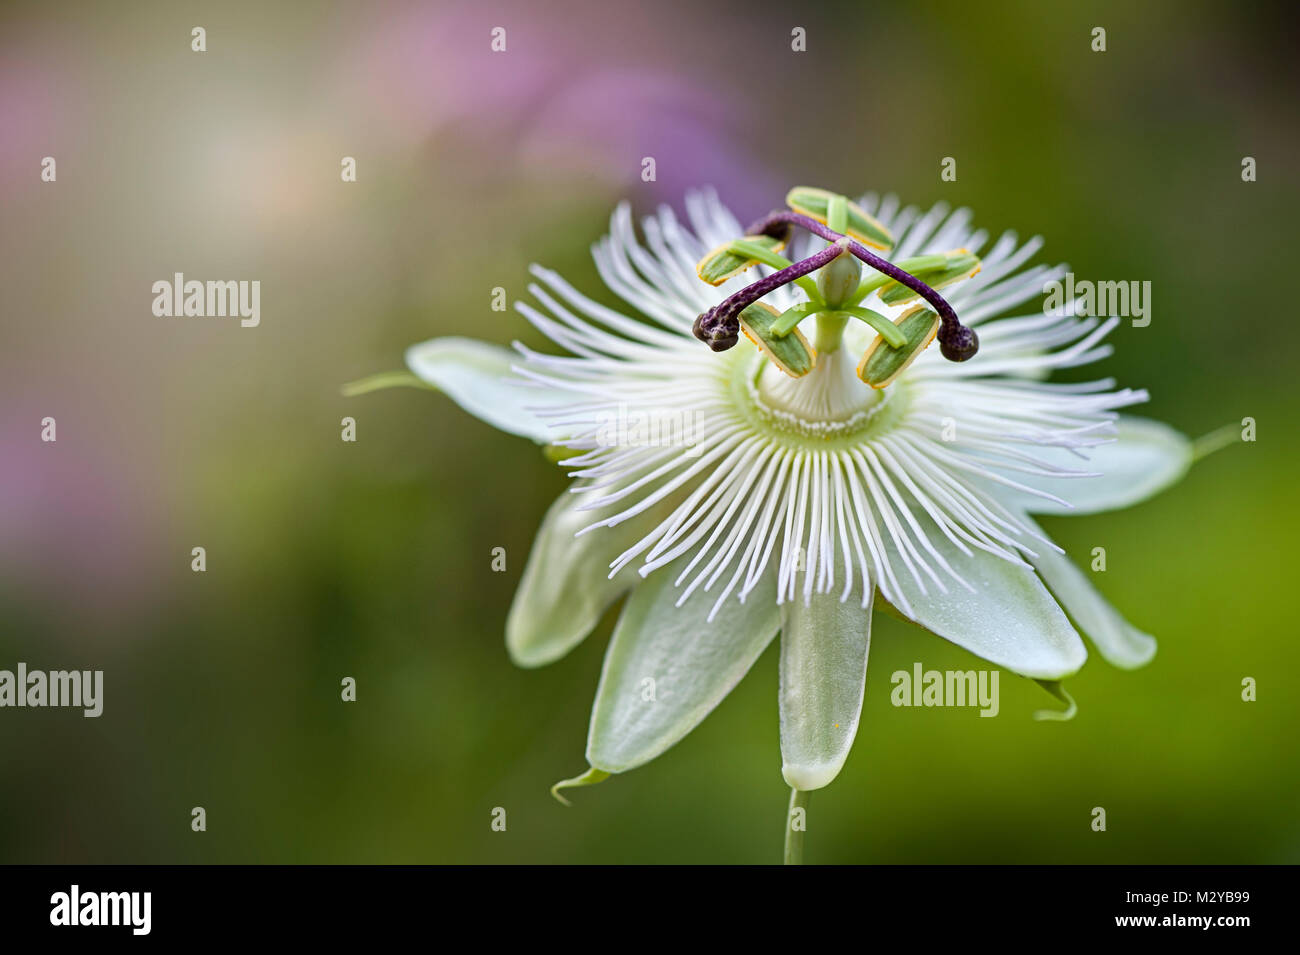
(823, 479)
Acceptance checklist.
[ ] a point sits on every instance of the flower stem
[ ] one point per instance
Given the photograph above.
(793, 836)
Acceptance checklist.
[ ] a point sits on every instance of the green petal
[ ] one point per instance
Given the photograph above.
(566, 585)
(692, 663)
(823, 674)
(477, 377)
(1146, 458)
(1010, 620)
(1118, 641)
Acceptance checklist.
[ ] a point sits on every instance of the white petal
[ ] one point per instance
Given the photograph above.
(1145, 458)
(823, 674)
(1121, 643)
(477, 377)
(1010, 619)
(566, 586)
(692, 662)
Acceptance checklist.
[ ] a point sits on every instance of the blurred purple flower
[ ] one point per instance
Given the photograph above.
(570, 103)
(77, 524)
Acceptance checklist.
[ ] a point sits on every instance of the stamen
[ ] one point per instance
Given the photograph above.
(719, 327)
(886, 329)
(956, 341)
(793, 315)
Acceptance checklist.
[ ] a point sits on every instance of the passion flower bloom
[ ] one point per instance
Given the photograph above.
(826, 466)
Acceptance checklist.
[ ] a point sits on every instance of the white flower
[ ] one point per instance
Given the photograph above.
(766, 504)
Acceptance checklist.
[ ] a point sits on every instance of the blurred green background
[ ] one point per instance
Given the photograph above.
(372, 560)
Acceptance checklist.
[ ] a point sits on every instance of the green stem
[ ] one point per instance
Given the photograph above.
(794, 837)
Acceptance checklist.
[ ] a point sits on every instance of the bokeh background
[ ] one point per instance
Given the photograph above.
(372, 560)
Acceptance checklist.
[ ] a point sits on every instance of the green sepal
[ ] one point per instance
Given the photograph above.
(815, 203)
(955, 267)
(791, 353)
(727, 260)
(881, 363)
(590, 778)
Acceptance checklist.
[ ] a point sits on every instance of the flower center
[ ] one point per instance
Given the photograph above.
(829, 404)
(835, 296)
